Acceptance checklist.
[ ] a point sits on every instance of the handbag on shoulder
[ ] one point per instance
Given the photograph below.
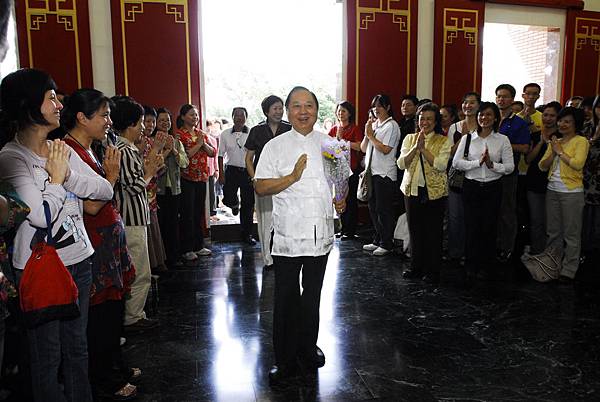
(365, 181)
(456, 177)
(47, 290)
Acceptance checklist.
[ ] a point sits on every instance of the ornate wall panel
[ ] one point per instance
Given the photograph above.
(155, 45)
(54, 35)
(458, 49)
(382, 51)
(582, 54)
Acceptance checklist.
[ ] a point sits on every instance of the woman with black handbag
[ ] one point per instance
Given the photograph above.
(456, 216)
(424, 157)
(48, 173)
(489, 158)
(382, 135)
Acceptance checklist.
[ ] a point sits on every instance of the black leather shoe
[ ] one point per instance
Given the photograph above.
(249, 240)
(432, 279)
(411, 274)
(279, 374)
(313, 359)
(235, 210)
(268, 267)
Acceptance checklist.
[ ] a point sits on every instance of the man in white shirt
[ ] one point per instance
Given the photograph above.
(291, 170)
(234, 177)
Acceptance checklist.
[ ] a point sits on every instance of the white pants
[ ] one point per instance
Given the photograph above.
(264, 217)
(137, 243)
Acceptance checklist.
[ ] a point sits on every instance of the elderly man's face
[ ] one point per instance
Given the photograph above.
(302, 111)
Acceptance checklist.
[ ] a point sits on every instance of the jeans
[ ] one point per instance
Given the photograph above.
(63, 344)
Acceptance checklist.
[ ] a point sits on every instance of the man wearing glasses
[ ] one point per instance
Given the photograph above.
(234, 177)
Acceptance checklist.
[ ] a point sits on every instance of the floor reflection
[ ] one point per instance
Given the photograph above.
(385, 338)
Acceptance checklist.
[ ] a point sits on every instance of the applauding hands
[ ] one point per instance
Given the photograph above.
(57, 164)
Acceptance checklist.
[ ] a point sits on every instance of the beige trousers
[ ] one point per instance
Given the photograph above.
(137, 243)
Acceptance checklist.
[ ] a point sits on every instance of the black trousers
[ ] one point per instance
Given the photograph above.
(381, 209)
(426, 229)
(482, 206)
(105, 322)
(295, 315)
(237, 178)
(168, 220)
(349, 217)
(193, 197)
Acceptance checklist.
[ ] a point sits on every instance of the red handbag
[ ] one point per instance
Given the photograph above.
(47, 290)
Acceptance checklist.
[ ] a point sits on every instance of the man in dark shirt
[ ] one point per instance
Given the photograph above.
(260, 134)
(517, 131)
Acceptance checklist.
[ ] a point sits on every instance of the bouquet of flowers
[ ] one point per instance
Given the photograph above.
(336, 161)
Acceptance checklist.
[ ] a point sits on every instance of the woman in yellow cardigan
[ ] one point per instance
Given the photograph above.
(425, 194)
(564, 161)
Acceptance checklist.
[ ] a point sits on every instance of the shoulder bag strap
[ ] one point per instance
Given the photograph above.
(49, 238)
(467, 145)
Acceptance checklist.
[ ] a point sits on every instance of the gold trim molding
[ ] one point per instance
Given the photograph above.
(468, 24)
(36, 16)
(178, 9)
(366, 15)
(589, 29)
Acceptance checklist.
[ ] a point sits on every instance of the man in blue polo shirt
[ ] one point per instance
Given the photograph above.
(517, 131)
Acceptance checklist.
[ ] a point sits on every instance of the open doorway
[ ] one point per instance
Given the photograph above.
(520, 54)
(252, 49)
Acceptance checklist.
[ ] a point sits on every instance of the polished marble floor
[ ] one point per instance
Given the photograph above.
(385, 338)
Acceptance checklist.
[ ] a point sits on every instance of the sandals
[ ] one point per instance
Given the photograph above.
(126, 393)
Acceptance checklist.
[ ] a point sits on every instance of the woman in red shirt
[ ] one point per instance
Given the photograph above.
(86, 118)
(194, 180)
(345, 129)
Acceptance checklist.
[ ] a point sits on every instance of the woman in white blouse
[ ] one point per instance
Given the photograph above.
(382, 135)
(489, 158)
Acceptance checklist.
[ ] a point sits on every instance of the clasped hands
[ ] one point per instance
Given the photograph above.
(485, 158)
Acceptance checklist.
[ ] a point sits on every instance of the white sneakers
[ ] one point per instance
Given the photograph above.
(370, 247)
(203, 252)
(379, 251)
(190, 256)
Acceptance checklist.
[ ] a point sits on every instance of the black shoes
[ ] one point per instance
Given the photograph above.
(313, 359)
(432, 279)
(249, 240)
(235, 211)
(280, 373)
(411, 274)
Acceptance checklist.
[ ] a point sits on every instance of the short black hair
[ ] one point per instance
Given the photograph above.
(588, 101)
(553, 105)
(384, 101)
(149, 111)
(411, 98)
(432, 107)
(349, 107)
(21, 96)
(300, 88)
(269, 101)
(243, 109)
(578, 116)
(520, 103)
(508, 87)
(160, 111)
(186, 107)
(423, 101)
(453, 110)
(125, 113)
(532, 85)
(490, 105)
(87, 101)
(472, 93)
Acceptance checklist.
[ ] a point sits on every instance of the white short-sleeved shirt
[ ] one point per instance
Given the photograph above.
(384, 165)
(232, 148)
(303, 212)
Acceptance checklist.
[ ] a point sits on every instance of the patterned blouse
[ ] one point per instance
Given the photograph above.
(16, 213)
(198, 168)
(591, 174)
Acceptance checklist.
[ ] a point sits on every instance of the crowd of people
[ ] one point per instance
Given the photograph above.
(124, 187)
